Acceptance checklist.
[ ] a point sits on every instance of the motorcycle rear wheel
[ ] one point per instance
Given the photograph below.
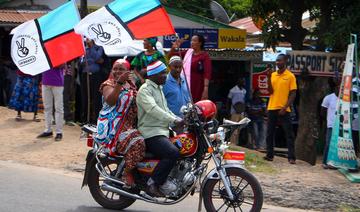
(106, 199)
(242, 184)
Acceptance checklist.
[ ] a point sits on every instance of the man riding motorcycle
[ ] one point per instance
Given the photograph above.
(170, 172)
(154, 118)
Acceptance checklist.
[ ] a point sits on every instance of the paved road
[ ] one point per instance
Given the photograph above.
(25, 188)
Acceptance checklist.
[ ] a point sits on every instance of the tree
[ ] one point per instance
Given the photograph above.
(336, 19)
(237, 7)
(283, 23)
(83, 8)
(282, 20)
(199, 7)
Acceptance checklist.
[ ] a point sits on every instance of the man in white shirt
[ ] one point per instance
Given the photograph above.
(328, 107)
(236, 103)
(355, 113)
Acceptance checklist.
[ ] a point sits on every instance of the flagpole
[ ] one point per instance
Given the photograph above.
(183, 70)
(87, 89)
(187, 85)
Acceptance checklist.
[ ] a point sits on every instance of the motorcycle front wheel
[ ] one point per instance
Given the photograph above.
(248, 195)
(107, 199)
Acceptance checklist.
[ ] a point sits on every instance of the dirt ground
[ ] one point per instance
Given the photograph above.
(19, 143)
(297, 186)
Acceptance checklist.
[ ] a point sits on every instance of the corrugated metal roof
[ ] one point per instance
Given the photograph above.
(196, 18)
(234, 49)
(246, 23)
(19, 16)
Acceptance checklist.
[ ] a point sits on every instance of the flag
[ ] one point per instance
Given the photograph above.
(117, 24)
(49, 41)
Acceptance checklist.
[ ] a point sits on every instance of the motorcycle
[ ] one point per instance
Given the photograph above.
(227, 186)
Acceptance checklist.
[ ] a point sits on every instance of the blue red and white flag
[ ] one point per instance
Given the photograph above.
(117, 24)
(49, 41)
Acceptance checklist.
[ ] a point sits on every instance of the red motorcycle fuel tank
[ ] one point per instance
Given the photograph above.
(188, 142)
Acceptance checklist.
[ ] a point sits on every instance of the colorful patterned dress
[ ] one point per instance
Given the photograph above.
(116, 126)
(26, 93)
(141, 61)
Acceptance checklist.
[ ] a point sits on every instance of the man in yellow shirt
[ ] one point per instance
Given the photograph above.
(282, 88)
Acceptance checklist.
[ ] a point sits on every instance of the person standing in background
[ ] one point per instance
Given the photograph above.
(197, 66)
(144, 58)
(328, 110)
(25, 95)
(175, 88)
(91, 69)
(282, 88)
(69, 93)
(355, 112)
(4, 83)
(52, 92)
(256, 111)
(236, 106)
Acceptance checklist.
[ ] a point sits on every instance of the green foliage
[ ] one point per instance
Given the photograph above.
(282, 19)
(347, 208)
(345, 19)
(237, 7)
(254, 161)
(199, 7)
(337, 19)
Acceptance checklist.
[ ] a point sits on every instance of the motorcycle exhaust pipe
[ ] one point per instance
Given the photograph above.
(110, 188)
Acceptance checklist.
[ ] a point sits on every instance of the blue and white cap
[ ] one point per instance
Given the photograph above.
(155, 68)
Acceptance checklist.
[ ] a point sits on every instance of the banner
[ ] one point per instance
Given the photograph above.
(210, 36)
(259, 79)
(341, 149)
(49, 41)
(116, 25)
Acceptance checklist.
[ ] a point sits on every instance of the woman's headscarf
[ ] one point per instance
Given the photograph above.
(124, 62)
(152, 41)
(120, 61)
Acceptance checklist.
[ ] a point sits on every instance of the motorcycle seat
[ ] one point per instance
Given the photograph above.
(89, 128)
(149, 155)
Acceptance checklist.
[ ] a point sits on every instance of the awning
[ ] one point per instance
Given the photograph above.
(16, 17)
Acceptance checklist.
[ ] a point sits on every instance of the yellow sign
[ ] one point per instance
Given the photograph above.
(232, 38)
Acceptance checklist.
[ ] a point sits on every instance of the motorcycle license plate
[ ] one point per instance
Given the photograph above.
(234, 157)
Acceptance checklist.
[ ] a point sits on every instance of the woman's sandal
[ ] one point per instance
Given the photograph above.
(18, 118)
(36, 118)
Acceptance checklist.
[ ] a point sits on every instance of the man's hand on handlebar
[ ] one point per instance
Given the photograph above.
(179, 122)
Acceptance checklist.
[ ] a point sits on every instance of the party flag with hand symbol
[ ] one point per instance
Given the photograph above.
(117, 24)
(49, 41)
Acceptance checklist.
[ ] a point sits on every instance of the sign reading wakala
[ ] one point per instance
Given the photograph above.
(232, 38)
(317, 63)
